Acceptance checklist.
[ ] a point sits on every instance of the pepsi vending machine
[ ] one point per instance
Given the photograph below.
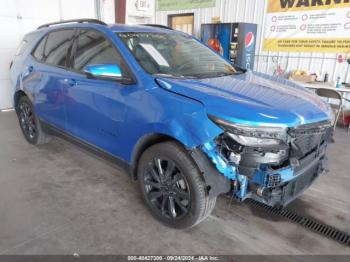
(235, 41)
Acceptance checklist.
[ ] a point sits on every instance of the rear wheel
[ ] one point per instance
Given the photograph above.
(29, 122)
(173, 187)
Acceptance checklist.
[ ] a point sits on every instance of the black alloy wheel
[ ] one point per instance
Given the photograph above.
(172, 186)
(27, 120)
(167, 188)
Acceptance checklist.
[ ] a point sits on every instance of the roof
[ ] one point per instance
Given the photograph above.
(139, 28)
(113, 27)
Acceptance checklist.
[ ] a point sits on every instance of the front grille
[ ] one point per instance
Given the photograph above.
(307, 138)
(306, 143)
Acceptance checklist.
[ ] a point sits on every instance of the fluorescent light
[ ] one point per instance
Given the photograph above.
(7, 109)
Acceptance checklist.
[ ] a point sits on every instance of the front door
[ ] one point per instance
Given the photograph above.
(95, 108)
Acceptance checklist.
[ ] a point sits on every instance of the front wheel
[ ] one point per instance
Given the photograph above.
(173, 187)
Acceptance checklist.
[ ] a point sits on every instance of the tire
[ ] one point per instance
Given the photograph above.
(29, 123)
(177, 196)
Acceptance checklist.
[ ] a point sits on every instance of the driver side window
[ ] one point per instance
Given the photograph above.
(93, 48)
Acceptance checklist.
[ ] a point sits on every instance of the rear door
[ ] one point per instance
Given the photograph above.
(52, 76)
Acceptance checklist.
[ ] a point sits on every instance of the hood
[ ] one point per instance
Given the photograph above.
(253, 98)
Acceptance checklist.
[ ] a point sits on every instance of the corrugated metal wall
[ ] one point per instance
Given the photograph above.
(253, 11)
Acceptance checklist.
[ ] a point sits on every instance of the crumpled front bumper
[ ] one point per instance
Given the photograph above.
(274, 180)
(302, 178)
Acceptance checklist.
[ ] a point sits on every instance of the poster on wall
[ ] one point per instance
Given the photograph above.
(171, 5)
(140, 11)
(308, 26)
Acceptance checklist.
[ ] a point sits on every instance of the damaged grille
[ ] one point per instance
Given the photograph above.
(307, 138)
(307, 143)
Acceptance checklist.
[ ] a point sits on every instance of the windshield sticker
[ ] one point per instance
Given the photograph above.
(155, 54)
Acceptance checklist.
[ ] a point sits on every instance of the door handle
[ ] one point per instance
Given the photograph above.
(70, 82)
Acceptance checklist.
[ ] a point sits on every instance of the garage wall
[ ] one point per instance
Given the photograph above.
(17, 17)
(254, 11)
(107, 11)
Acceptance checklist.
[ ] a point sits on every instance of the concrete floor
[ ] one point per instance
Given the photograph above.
(59, 199)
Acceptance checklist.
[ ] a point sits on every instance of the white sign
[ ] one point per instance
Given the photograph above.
(308, 26)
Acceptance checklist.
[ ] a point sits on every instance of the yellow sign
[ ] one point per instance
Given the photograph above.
(308, 26)
(305, 5)
(307, 45)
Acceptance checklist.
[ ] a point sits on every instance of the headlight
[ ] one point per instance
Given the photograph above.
(253, 141)
(252, 135)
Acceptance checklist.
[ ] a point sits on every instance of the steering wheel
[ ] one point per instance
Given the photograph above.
(183, 66)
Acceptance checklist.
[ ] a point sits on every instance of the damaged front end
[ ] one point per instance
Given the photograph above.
(272, 165)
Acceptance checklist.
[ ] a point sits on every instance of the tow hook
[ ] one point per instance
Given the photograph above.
(260, 191)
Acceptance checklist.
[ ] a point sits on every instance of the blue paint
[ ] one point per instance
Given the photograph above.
(242, 192)
(261, 176)
(225, 168)
(254, 99)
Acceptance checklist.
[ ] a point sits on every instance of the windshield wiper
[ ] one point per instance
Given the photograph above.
(175, 76)
(214, 74)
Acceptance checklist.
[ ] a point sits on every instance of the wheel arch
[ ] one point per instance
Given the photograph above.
(17, 96)
(143, 144)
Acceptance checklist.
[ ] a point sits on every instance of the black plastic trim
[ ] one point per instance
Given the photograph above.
(82, 20)
(218, 184)
(52, 130)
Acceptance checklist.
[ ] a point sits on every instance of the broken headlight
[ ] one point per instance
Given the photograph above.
(252, 135)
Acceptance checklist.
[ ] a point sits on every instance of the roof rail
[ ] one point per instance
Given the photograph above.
(82, 20)
(159, 26)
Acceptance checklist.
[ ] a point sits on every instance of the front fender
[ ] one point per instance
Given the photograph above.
(157, 111)
(182, 119)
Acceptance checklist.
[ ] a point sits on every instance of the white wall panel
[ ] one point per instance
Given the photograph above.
(8, 8)
(18, 17)
(108, 11)
(254, 11)
(28, 25)
(10, 34)
(39, 9)
(72, 9)
(5, 94)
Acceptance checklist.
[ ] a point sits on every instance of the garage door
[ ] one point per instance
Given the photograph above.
(17, 17)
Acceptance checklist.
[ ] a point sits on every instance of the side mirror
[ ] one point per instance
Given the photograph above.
(104, 71)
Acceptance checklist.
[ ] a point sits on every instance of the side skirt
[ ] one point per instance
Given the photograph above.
(50, 129)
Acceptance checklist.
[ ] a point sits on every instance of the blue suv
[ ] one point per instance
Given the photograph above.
(182, 120)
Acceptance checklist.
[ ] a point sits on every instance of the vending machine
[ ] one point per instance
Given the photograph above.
(235, 41)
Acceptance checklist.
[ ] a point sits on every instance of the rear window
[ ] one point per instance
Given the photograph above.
(39, 50)
(53, 48)
(24, 43)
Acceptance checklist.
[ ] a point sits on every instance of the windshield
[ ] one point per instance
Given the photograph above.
(175, 55)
